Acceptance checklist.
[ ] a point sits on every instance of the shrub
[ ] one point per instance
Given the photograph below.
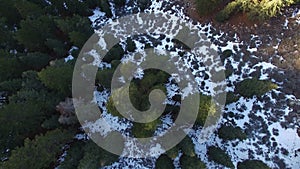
(191, 163)
(173, 152)
(95, 157)
(231, 98)
(255, 9)
(250, 87)
(219, 156)
(227, 12)
(104, 77)
(144, 130)
(115, 53)
(143, 4)
(105, 7)
(164, 162)
(252, 164)
(204, 7)
(51, 123)
(74, 155)
(206, 108)
(186, 146)
(231, 133)
(226, 54)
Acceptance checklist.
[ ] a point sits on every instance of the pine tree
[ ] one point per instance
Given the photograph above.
(40, 152)
(58, 77)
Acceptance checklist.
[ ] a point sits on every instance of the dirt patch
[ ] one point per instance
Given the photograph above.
(240, 18)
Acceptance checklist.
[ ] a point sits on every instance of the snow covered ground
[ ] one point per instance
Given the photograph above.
(267, 139)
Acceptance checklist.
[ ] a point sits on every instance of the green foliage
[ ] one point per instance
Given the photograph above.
(144, 130)
(231, 133)
(74, 155)
(130, 45)
(191, 163)
(11, 67)
(28, 9)
(58, 77)
(35, 61)
(31, 81)
(204, 7)
(34, 32)
(252, 164)
(228, 11)
(207, 108)
(115, 53)
(112, 108)
(69, 8)
(231, 98)
(226, 54)
(6, 34)
(26, 110)
(173, 152)
(143, 4)
(105, 7)
(251, 87)
(11, 86)
(265, 9)
(78, 38)
(40, 152)
(164, 162)
(255, 9)
(77, 28)
(219, 156)
(104, 77)
(140, 89)
(186, 146)
(57, 46)
(95, 157)
(51, 123)
(119, 2)
(9, 12)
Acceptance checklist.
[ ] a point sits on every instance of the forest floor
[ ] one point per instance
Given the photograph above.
(267, 50)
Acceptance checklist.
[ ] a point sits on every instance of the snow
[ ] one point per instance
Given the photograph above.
(70, 57)
(97, 14)
(238, 150)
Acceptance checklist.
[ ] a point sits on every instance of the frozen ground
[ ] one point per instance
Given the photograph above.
(262, 119)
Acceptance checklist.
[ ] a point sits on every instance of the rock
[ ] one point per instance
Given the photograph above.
(298, 132)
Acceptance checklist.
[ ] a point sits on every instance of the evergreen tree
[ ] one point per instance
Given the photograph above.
(9, 12)
(58, 77)
(164, 162)
(28, 9)
(206, 108)
(95, 157)
(40, 152)
(219, 156)
(11, 66)
(191, 163)
(33, 33)
(78, 29)
(6, 41)
(252, 164)
(35, 60)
